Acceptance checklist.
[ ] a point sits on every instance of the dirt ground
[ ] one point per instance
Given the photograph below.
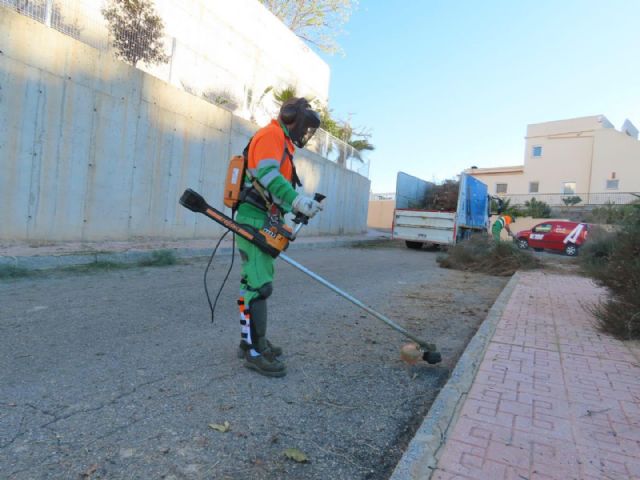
(120, 374)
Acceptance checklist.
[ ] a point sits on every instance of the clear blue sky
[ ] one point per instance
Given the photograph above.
(444, 85)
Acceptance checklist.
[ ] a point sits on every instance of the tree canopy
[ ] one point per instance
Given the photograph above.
(136, 31)
(317, 22)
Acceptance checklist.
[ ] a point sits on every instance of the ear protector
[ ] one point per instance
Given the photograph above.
(290, 111)
(302, 121)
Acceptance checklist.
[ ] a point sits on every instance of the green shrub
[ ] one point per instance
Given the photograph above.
(611, 213)
(613, 260)
(620, 319)
(537, 209)
(507, 208)
(482, 254)
(570, 201)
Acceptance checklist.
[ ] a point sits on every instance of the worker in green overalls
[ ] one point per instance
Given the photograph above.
(270, 162)
(503, 221)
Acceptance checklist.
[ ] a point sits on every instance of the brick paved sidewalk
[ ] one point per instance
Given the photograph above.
(553, 398)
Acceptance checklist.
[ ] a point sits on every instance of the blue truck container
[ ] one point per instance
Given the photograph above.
(418, 226)
(474, 204)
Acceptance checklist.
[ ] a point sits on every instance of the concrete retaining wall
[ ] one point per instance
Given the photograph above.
(93, 149)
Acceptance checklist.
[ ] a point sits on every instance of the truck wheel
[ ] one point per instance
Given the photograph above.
(523, 244)
(571, 249)
(413, 245)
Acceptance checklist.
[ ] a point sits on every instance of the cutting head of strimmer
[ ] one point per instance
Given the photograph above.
(411, 353)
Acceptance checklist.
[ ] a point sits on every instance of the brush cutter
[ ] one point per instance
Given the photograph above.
(274, 239)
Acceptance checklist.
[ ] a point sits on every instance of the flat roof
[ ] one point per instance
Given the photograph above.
(495, 170)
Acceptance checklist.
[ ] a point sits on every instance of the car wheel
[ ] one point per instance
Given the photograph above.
(413, 245)
(523, 244)
(571, 249)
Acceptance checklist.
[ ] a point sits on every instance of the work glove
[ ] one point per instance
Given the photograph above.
(306, 206)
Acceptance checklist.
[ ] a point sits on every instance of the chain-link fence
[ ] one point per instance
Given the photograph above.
(185, 64)
(382, 196)
(79, 19)
(578, 199)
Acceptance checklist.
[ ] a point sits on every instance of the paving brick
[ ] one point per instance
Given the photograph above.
(463, 459)
(441, 475)
(553, 398)
(559, 428)
(478, 433)
(605, 464)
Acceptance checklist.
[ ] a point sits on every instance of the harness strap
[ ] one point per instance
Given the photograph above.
(257, 195)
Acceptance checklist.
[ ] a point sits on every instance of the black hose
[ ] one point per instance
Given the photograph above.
(233, 256)
(206, 271)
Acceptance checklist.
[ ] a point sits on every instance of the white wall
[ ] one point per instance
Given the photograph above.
(381, 214)
(563, 159)
(93, 149)
(234, 49)
(516, 182)
(236, 46)
(615, 152)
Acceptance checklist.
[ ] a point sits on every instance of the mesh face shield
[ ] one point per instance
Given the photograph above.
(305, 127)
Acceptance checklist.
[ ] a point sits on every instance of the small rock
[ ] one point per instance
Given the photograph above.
(127, 452)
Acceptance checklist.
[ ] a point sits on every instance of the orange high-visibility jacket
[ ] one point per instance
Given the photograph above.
(269, 163)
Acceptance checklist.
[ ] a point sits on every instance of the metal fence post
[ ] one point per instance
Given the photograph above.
(48, 13)
(173, 53)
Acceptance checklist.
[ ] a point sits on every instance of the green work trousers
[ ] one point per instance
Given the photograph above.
(495, 230)
(257, 266)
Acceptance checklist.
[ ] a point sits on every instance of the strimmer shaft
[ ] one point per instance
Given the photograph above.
(427, 347)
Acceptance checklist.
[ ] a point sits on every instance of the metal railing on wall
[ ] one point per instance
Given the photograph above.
(76, 18)
(334, 149)
(83, 20)
(578, 199)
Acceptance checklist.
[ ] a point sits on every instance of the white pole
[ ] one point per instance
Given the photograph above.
(48, 15)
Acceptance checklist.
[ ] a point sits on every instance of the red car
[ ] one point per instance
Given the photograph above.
(561, 236)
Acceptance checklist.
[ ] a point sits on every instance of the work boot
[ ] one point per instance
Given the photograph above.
(244, 347)
(265, 364)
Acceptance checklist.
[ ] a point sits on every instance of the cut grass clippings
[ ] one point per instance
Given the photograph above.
(11, 271)
(484, 255)
(159, 258)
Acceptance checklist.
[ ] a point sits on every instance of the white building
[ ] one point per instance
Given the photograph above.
(585, 157)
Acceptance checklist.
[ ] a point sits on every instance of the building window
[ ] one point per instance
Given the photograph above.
(536, 151)
(612, 184)
(501, 188)
(533, 187)
(569, 188)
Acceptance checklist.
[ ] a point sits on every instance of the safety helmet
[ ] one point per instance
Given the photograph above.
(301, 120)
